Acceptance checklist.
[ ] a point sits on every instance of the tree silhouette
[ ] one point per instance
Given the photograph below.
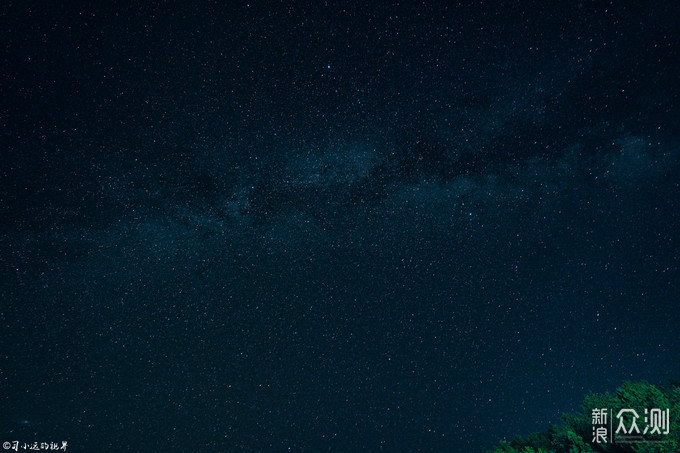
(575, 434)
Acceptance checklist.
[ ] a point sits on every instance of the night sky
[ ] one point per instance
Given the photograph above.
(332, 226)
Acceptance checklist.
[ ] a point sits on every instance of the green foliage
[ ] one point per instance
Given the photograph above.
(575, 435)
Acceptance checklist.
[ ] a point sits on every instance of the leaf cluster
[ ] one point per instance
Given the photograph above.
(575, 434)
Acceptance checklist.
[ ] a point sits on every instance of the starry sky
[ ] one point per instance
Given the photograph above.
(332, 226)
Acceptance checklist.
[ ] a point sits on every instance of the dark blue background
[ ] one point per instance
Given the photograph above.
(330, 226)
